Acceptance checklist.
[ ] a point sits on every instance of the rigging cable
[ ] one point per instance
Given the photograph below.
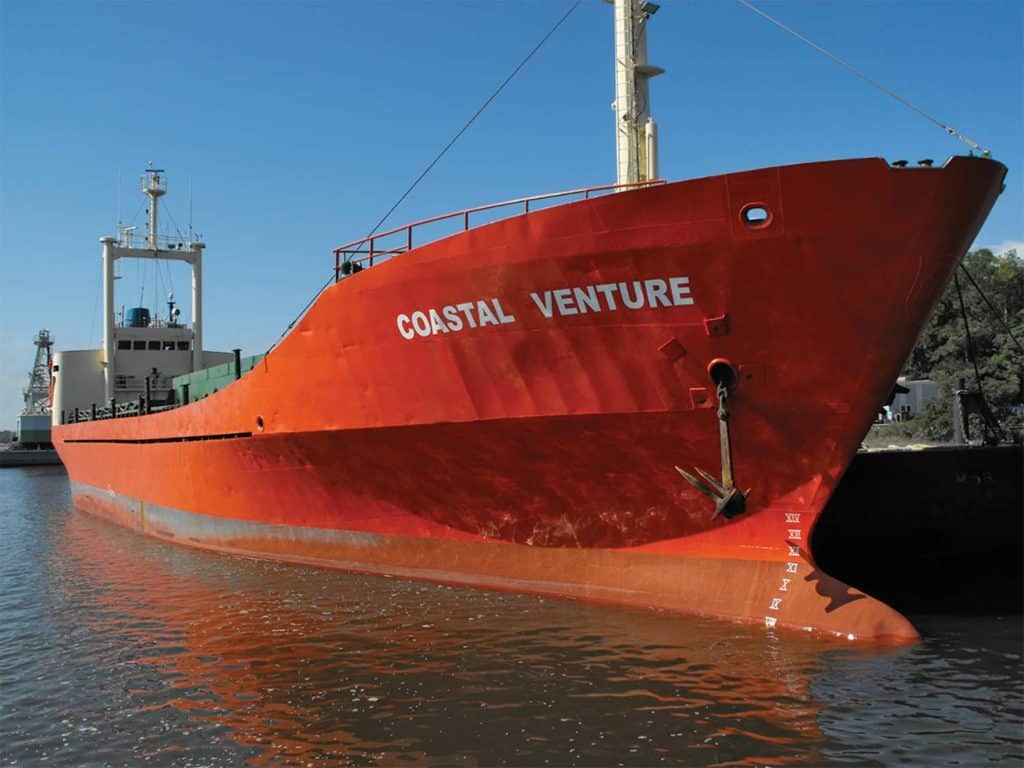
(988, 416)
(947, 128)
(444, 151)
(995, 312)
(167, 267)
(476, 114)
(167, 210)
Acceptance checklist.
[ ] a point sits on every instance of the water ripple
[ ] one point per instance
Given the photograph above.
(115, 650)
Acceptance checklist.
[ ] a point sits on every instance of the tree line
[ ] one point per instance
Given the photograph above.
(984, 352)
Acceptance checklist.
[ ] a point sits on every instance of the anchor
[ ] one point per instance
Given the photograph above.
(729, 500)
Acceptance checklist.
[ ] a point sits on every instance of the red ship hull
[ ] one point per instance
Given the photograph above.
(531, 445)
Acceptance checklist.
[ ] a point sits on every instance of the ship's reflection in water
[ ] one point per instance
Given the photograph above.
(131, 650)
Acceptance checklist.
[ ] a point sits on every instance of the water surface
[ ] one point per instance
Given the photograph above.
(120, 650)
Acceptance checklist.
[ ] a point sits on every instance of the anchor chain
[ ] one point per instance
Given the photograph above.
(729, 500)
(723, 433)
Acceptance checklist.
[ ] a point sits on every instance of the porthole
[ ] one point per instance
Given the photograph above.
(756, 216)
(259, 423)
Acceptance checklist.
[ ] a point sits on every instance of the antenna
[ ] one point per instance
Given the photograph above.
(119, 201)
(190, 209)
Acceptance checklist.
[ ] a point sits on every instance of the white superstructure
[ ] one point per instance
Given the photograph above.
(141, 353)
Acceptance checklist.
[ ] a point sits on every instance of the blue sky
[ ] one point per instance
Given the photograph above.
(300, 123)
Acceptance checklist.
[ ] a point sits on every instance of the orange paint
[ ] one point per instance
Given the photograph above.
(538, 453)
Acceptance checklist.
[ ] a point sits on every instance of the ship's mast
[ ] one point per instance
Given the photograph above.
(636, 134)
(154, 186)
(37, 394)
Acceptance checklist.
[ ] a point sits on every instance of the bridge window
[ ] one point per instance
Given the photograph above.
(138, 345)
(154, 345)
(183, 346)
(124, 344)
(168, 346)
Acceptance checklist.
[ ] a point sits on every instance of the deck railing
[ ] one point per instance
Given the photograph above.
(116, 410)
(113, 410)
(129, 238)
(364, 252)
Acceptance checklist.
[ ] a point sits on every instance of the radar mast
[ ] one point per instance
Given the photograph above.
(636, 134)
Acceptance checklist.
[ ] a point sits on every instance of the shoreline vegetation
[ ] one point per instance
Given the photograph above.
(948, 350)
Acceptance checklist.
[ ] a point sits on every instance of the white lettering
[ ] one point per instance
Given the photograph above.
(436, 323)
(503, 318)
(545, 307)
(657, 293)
(466, 308)
(420, 323)
(794, 533)
(792, 517)
(785, 585)
(769, 621)
(776, 602)
(563, 298)
(652, 293)
(794, 550)
(637, 301)
(403, 327)
(451, 316)
(587, 298)
(608, 289)
(486, 316)
(791, 567)
(431, 322)
(680, 287)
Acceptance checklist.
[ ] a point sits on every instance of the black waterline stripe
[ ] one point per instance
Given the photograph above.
(189, 439)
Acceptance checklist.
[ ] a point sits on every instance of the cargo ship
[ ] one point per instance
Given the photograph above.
(641, 394)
